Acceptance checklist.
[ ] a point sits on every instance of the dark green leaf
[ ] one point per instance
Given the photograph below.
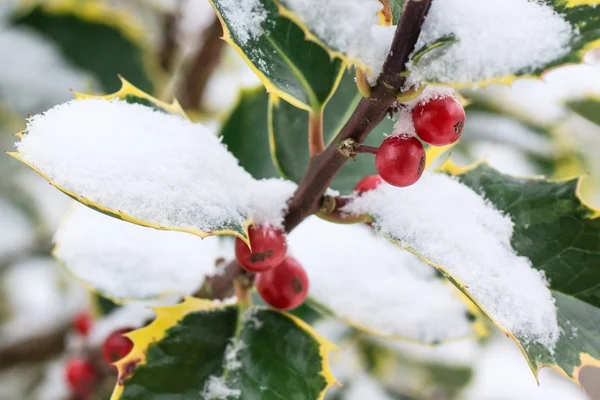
(588, 108)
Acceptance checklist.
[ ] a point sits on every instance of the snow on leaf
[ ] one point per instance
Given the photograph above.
(376, 286)
(456, 230)
(135, 162)
(126, 261)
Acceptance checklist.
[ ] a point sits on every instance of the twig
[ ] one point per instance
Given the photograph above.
(367, 115)
(316, 144)
(220, 285)
(169, 44)
(202, 67)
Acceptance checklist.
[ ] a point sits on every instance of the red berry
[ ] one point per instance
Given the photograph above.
(82, 377)
(400, 160)
(285, 286)
(368, 183)
(439, 122)
(82, 323)
(116, 346)
(269, 248)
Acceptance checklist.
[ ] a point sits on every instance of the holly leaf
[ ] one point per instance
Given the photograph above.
(119, 43)
(397, 284)
(219, 351)
(391, 11)
(123, 261)
(143, 162)
(245, 132)
(289, 144)
(541, 228)
(587, 108)
(296, 70)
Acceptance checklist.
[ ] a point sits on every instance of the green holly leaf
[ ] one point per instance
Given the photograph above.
(245, 132)
(296, 70)
(391, 12)
(560, 234)
(167, 143)
(289, 143)
(198, 348)
(119, 43)
(587, 108)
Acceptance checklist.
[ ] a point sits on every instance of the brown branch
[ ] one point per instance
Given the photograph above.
(35, 349)
(367, 115)
(203, 65)
(169, 45)
(220, 285)
(316, 144)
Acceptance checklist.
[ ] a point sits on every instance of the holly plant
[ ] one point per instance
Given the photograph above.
(329, 213)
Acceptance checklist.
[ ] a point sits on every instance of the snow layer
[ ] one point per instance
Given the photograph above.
(16, 231)
(127, 261)
(496, 38)
(452, 226)
(348, 26)
(372, 283)
(245, 18)
(216, 388)
(149, 165)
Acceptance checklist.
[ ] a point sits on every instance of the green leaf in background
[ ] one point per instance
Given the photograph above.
(219, 352)
(245, 132)
(391, 12)
(102, 305)
(296, 70)
(95, 38)
(560, 235)
(588, 108)
(288, 126)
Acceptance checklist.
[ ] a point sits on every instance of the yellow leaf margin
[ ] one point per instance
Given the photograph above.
(169, 316)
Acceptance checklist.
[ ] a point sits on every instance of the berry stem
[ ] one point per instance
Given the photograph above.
(316, 143)
(368, 114)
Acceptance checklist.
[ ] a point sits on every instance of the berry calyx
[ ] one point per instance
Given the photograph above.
(82, 377)
(82, 323)
(269, 248)
(284, 287)
(368, 183)
(400, 160)
(116, 346)
(439, 122)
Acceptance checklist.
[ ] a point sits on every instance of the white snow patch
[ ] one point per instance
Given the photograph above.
(452, 226)
(152, 166)
(216, 388)
(127, 261)
(244, 18)
(348, 26)
(496, 38)
(16, 231)
(370, 282)
(502, 157)
(364, 387)
(231, 355)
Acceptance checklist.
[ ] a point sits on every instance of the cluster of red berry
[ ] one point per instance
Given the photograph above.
(280, 280)
(84, 373)
(400, 160)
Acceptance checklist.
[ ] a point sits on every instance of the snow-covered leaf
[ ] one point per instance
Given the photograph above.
(132, 160)
(120, 44)
(523, 249)
(199, 348)
(245, 132)
(377, 287)
(493, 41)
(126, 261)
(297, 70)
(289, 143)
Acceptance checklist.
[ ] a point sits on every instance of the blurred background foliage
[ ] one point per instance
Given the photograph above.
(171, 48)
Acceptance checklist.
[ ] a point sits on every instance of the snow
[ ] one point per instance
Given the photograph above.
(504, 158)
(365, 387)
(231, 355)
(127, 261)
(245, 18)
(148, 165)
(374, 284)
(452, 226)
(496, 39)
(216, 388)
(16, 231)
(22, 86)
(349, 26)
